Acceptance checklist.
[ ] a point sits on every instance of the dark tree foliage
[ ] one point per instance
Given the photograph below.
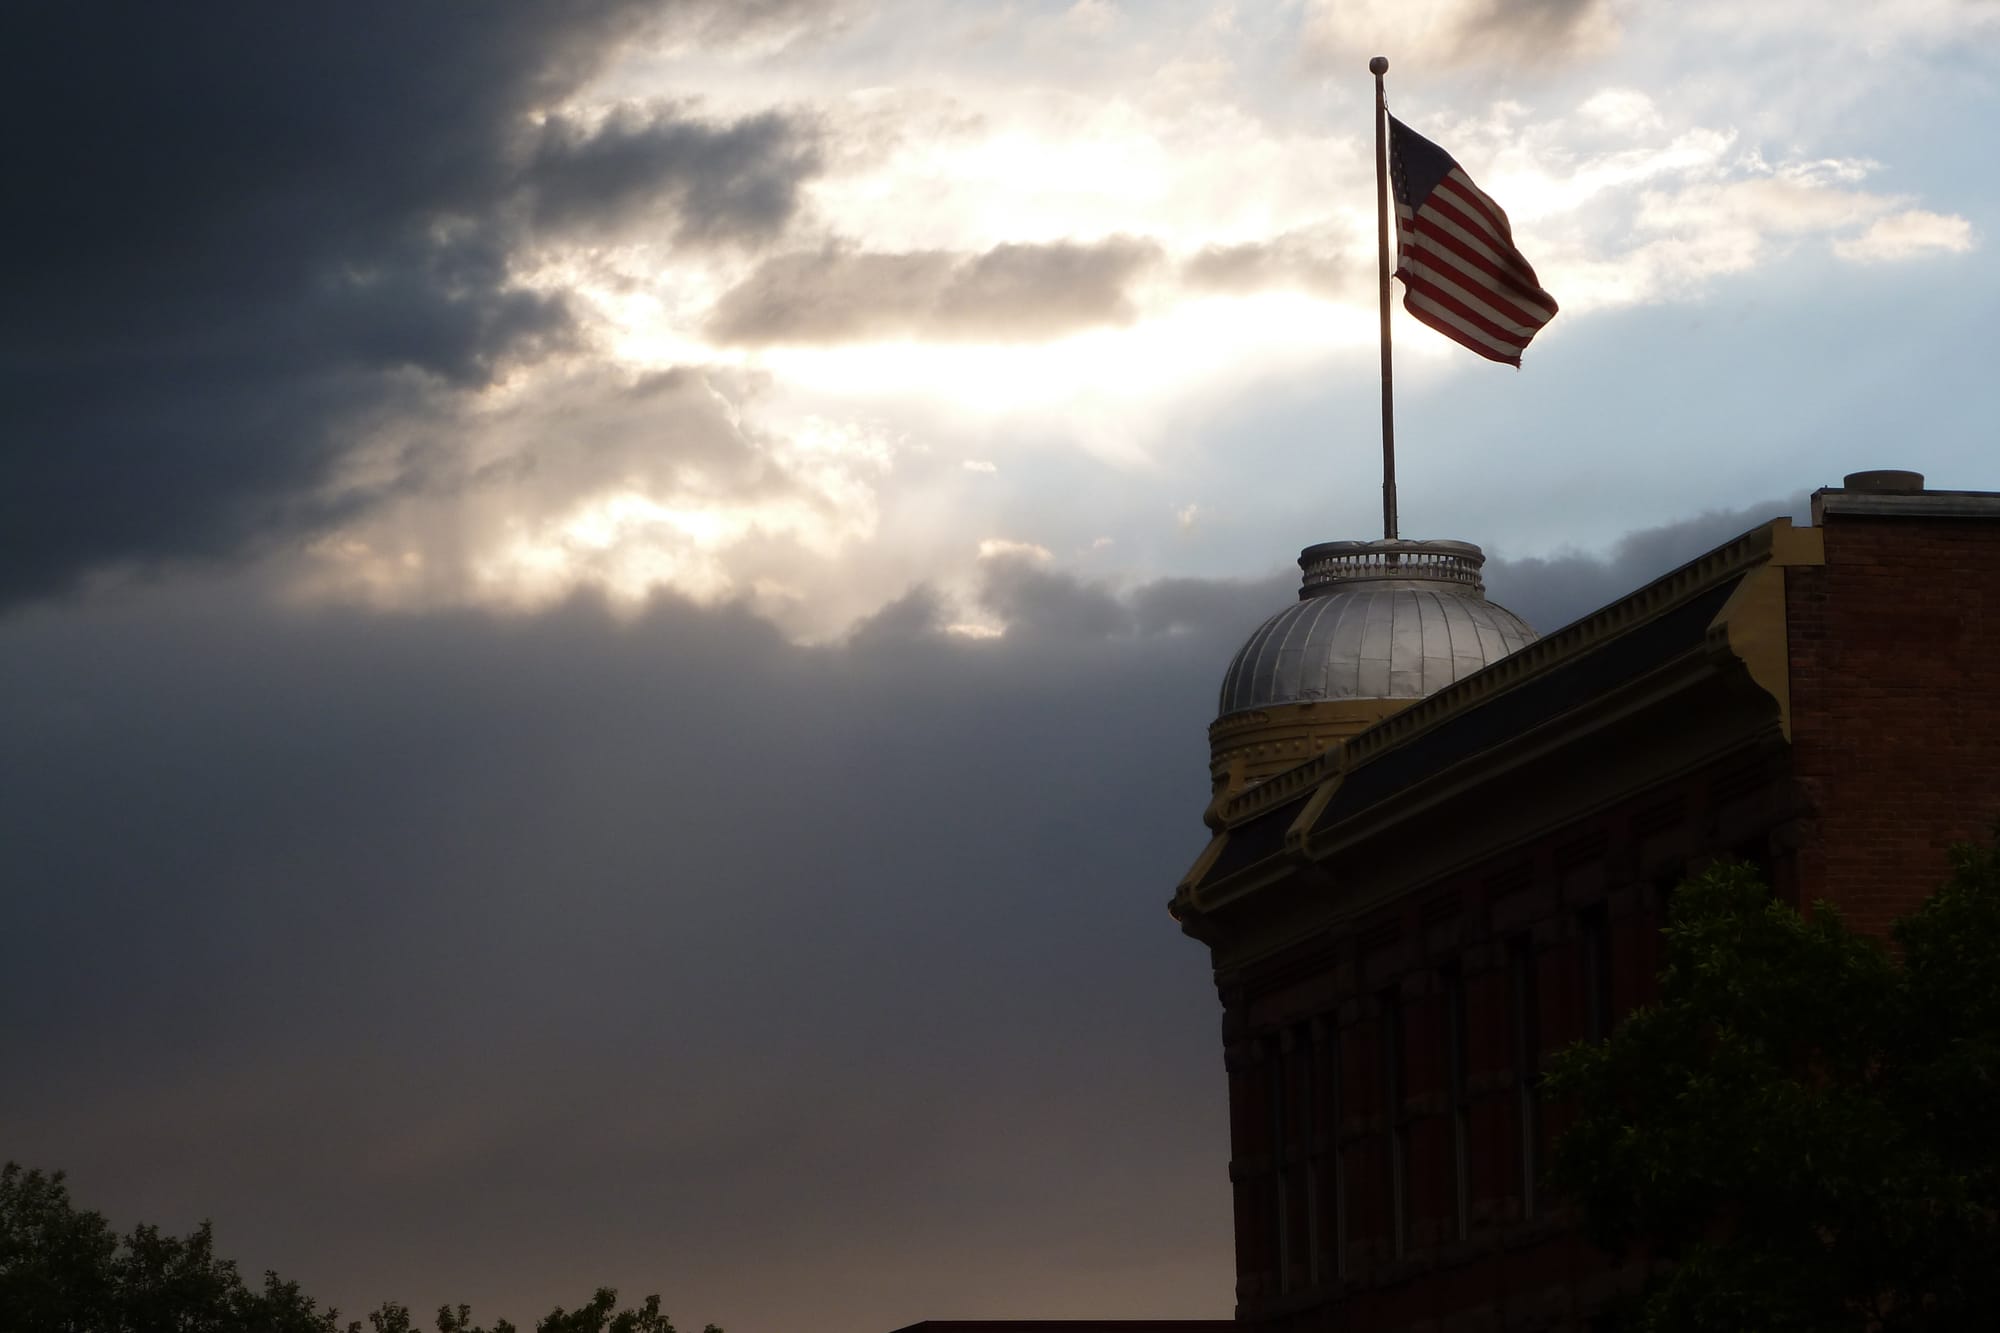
(1807, 1125)
(63, 1270)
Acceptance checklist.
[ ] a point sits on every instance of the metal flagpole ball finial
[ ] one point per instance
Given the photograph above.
(1379, 65)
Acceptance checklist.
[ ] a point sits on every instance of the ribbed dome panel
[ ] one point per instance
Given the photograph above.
(1364, 641)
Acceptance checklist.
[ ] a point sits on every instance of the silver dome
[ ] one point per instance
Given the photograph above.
(1375, 620)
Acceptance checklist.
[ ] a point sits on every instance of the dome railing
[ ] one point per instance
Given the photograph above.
(1331, 564)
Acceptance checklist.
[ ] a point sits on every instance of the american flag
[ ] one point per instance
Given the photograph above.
(1455, 254)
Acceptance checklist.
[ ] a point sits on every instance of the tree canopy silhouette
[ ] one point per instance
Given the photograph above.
(1806, 1127)
(64, 1270)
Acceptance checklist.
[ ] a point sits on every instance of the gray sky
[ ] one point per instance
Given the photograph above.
(608, 611)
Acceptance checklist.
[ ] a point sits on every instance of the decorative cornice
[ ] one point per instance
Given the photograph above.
(1199, 868)
(1281, 787)
(1919, 504)
(1573, 640)
(1317, 897)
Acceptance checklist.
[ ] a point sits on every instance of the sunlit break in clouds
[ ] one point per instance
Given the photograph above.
(610, 608)
(1027, 249)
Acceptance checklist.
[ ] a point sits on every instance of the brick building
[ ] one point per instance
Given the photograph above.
(1442, 849)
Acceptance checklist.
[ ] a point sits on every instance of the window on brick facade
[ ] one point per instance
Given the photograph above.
(1302, 1205)
(1311, 1048)
(1597, 1013)
(1298, 1151)
(1280, 1128)
(1336, 1164)
(1459, 1102)
(1525, 1019)
(1397, 1126)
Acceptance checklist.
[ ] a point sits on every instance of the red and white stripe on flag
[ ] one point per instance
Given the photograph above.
(1462, 275)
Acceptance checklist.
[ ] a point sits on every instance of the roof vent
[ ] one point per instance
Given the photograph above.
(1885, 481)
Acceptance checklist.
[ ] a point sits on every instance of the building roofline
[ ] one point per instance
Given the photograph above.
(1248, 847)
(1904, 504)
(1776, 542)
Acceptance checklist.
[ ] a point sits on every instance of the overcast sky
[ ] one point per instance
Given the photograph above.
(607, 610)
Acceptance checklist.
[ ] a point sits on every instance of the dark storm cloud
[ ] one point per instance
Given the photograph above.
(1204, 606)
(244, 233)
(1040, 602)
(475, 957)
(917, 614)
(1549, 593)
(1011, 293)
(464, 957)
(712, 182)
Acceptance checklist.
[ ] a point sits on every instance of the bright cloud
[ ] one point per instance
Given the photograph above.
(1907, 235)
(1000, 548)
(681, 481)
(1622, 111)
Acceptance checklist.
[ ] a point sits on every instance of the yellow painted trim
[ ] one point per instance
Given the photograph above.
(1295, 835)
(1268, 749)
(1751, 627)
(1797, 546)
(1184, 891)
(1751, 624)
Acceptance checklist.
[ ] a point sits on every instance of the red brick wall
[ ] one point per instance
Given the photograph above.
(1617, 867)
(1895, 755)
(1895, 660)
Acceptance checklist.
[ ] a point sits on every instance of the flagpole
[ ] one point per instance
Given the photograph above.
(1378, 67)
